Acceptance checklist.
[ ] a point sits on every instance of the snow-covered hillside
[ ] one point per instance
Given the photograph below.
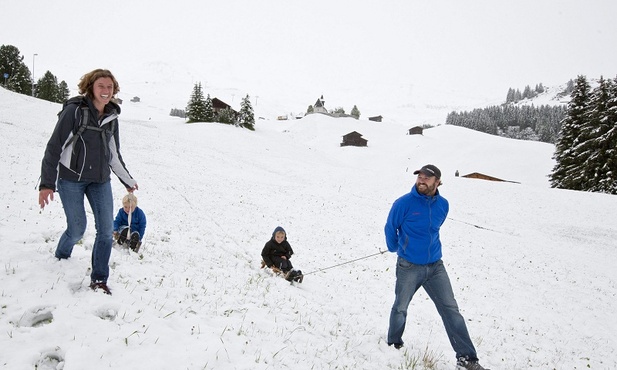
(532, 267)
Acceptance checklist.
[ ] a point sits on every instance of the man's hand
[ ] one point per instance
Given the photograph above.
(45, 196)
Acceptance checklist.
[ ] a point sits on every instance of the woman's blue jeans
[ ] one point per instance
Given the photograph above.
(100, 197)
(435, 281)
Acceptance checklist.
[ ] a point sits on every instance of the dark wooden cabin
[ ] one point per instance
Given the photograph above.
(354, 139)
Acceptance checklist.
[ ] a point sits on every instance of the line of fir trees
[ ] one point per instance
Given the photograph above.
(175, 112)
(525, 122)
(514, 96)
(21, 80)
(586, 150)
(200, 109)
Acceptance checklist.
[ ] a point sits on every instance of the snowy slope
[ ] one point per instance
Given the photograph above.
(532, 267)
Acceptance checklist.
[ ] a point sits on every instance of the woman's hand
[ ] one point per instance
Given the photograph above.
(45, 196)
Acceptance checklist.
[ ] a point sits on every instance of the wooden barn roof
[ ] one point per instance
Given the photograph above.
(478, 175)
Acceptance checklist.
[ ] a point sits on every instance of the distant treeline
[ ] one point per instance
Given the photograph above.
(175, 112)
(518, 122)
(515, 96)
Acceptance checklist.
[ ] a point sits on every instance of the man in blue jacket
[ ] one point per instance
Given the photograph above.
(412, 231)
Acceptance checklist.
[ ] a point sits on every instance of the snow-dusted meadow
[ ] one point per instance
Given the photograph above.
(533, 268)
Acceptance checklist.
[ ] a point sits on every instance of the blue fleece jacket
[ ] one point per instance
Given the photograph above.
(138, 221)
(412, 228)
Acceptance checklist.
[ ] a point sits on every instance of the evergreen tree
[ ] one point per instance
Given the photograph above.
(568, 90)
(226, 116)
(11, 62)
(196, 108)
(355, 112)
(608, 184)
(47, 88)
(209, 109)
(246, 117)
(527, 92)
(510, 96)
(310, 109)
(566, 171)
(570, 87)
(517, 96)
(598, 150)
(21, 81)
(63, 92)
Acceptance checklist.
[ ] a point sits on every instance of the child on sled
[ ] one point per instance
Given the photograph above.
(130, 223)
(276, 255)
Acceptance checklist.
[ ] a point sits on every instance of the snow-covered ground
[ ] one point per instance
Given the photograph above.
(533, 268)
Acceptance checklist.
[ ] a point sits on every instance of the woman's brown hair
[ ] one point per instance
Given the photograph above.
(87, 81)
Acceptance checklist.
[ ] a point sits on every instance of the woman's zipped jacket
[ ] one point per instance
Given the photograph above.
(89, 154)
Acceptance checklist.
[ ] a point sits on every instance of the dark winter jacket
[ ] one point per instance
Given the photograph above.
(412, 228)
(138, 221)
(94, 154)
(272, 249)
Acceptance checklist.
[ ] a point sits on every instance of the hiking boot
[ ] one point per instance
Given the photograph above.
(299, 277)
(396, 345)
(294, 275)
(122, 236)
(136, 247)
(291, 275)
(464, 363)
(96, 285)
(134, 244)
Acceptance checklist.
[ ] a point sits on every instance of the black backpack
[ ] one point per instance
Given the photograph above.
(85, 116)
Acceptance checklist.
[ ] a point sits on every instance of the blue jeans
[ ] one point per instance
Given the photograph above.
(101, 201)
(435, 281)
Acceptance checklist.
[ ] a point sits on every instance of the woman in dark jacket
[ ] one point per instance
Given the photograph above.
(83, 150)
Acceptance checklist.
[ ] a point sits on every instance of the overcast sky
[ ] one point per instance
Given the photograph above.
(479, 46)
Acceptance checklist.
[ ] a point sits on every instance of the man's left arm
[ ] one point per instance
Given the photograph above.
(393, 223)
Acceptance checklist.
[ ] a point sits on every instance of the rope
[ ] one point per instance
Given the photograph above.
(344, 263)
(474, 225)
(128, 234)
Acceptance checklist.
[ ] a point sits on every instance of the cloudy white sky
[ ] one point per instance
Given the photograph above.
(321, 47)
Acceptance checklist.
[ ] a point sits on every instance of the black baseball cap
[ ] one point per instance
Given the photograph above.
(429, 170)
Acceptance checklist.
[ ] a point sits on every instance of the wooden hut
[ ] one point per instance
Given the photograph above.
(416, 130)
(481, 176)
(219, 105)
(375, 119)
(354, 139)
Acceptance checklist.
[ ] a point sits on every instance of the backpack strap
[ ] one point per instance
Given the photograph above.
(82, 127)
(85, 115)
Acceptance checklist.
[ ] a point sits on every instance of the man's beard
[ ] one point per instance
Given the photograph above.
(426, 189)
